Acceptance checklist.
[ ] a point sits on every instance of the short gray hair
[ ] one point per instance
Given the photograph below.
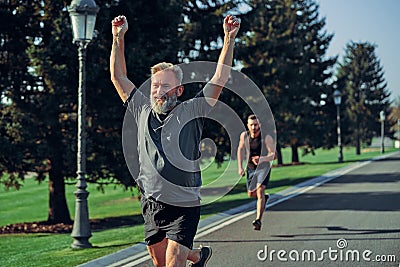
(168, 67)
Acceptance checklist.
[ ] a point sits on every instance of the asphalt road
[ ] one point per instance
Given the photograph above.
(353, 220)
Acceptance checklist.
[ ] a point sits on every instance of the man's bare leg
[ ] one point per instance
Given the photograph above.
(176, 254)
(260, 201)
(194, 255)
(259, 193)
(157, 252)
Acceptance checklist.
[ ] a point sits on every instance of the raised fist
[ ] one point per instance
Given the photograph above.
(231, 26)
(119, 25)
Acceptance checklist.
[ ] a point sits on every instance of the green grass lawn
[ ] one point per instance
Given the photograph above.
(30, 204)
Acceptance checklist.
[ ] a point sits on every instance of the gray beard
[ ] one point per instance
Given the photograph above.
(167, 105)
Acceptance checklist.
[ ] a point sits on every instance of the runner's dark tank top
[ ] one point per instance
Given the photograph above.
(255, 149)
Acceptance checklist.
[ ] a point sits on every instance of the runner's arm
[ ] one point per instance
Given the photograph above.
(241, 154)
(270, 145)
(213, 88)
(117, 60)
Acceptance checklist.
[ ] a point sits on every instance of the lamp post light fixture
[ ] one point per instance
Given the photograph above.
(83, 18)
(337, 98)
(382, 117)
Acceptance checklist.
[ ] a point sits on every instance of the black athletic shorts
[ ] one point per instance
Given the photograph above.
(173, 222)
(253, 179)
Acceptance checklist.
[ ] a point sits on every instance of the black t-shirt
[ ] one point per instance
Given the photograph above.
(168, 148)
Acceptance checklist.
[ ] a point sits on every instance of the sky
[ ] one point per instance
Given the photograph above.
(373, 21)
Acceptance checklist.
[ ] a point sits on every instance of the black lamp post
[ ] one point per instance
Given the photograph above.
(382, 117)
(337, 98)
(83, 18)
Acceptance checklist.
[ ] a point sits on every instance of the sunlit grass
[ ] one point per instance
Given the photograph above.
(31, 204)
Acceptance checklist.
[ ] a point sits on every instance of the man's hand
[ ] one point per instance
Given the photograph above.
(241, 171)
(255, 160)
(231, 26)
(119, 25)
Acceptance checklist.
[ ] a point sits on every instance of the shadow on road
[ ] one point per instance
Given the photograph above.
(344, 201)
(343, 231)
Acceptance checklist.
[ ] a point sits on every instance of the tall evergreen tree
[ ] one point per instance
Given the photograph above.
(361, 77)
(262, 52)
(314, 70)
(287, 59)
(46, 105)
(201, 36)
(15, 78)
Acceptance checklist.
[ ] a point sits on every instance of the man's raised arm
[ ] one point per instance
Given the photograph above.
(117, 59)
(214, 87)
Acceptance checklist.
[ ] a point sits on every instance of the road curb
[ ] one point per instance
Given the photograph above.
(137, 253)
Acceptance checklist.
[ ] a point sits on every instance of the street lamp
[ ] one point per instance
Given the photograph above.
(83, 18)
(382, 116)
(337, 98)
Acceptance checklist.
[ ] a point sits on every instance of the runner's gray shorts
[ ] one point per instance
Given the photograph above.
(173, 222)
(254, 179)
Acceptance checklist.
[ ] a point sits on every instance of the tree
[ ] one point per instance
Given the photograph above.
(315, 70)
(394, 118)
(284, 53)
(23, 89)
(270, 27)
(44, 107)
(201, 36)
(361, 78)
(14, 76)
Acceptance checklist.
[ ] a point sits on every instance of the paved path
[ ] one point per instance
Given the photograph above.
(349, 217)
